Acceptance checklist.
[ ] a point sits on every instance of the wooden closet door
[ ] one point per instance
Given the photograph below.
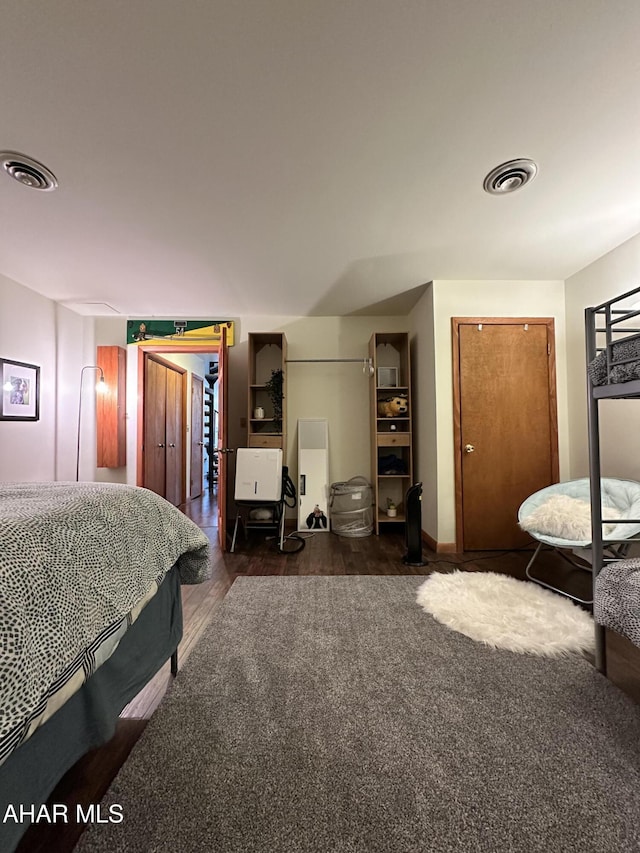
(508, 427)
(155, 396)
(174, 469)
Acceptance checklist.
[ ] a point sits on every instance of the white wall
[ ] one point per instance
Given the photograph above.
(424, 397)
(75, 347)
(36, 330)
(475, 299)
(611, 275)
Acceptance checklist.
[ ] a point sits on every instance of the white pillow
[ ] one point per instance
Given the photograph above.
(564, 517)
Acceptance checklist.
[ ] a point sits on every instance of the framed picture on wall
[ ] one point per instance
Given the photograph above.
(20, 400)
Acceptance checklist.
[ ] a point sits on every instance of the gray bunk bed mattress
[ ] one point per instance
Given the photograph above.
(616, 603)
(624, 350)
(89, 718)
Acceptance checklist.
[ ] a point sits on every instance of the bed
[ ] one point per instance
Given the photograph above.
(90, 609)
(612, 335)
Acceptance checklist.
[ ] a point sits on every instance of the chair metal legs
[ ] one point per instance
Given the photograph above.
(553, 588)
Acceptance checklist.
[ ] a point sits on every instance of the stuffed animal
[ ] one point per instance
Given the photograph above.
(393, 407)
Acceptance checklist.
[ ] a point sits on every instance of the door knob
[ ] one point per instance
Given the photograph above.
(226, 450)
(172, 445)
(161, 445)
(469, 448)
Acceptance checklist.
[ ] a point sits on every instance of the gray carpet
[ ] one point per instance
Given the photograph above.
(333, 715)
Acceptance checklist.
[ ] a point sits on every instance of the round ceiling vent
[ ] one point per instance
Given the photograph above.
(510, 176)
(27, 171)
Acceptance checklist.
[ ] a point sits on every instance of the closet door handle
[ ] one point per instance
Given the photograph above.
(172, 445)
(469, 448)
(161, 445)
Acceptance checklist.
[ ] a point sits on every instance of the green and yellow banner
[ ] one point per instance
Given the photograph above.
(180, 332)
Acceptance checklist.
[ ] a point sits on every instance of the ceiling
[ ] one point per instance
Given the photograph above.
(311, 157)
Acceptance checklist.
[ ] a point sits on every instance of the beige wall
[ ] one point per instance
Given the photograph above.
(476, 299)
(336, 391)
(61, 342)
(612, 275)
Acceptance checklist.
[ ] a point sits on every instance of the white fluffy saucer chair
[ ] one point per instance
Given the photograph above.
(559, 516)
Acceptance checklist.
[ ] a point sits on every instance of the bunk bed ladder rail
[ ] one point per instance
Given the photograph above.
(593, 426)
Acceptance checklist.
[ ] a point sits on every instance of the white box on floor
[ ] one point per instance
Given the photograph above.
(258, 474)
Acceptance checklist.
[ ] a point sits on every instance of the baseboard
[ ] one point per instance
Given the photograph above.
(438, 547)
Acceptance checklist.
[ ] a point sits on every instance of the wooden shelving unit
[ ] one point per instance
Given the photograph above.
(267, 352)
(111, 408)
(391, 437)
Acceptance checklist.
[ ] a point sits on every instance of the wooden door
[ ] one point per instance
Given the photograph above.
(155, 408)
(197, 431)
(222, 447)
(174, 477)
(507, 446)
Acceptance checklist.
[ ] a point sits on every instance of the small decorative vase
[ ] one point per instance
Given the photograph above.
(392, 512)
(258, 413)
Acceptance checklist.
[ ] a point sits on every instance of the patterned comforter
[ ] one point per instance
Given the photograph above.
(616, 602)
(78, 561)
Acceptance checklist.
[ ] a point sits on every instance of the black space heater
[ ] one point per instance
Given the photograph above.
(413, 527)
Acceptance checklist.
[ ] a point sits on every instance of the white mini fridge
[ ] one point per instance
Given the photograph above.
(258, 474)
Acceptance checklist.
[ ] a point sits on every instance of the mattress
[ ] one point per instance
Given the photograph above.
(78, 564)
(625, 363)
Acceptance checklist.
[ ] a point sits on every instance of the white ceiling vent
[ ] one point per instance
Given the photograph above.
(91, 309)
(510, 176)
(27, 171)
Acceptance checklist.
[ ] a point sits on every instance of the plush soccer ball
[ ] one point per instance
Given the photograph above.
(393, 407)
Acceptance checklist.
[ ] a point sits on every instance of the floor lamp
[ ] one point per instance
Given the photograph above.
(101, 387)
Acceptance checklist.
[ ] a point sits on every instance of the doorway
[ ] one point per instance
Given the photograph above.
(505, 425)
(203, 441)
(217, 351)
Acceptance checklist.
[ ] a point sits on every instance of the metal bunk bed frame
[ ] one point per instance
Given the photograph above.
(609, 319)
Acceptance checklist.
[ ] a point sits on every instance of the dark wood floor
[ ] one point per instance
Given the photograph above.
(323, 554)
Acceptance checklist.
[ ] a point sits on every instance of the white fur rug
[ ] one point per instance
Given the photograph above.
(506, 613)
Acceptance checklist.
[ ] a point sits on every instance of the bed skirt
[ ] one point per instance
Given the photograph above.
(90, 716)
